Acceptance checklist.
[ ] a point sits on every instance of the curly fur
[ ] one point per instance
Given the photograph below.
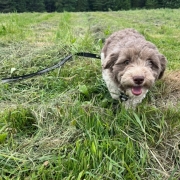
(131, 64)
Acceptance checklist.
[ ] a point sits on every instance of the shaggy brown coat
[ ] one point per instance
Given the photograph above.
(131, 64)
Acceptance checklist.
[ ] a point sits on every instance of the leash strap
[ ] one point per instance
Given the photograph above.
(59, 64)
(123, 96)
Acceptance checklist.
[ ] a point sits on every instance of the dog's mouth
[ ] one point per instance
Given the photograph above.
(136, 90)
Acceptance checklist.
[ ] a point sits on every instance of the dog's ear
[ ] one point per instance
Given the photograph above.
(111, 60)
(163, 62)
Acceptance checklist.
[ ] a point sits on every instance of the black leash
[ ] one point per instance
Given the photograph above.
(59, 64)
(123, 96)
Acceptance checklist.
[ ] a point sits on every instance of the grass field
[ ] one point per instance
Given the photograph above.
(64, 124)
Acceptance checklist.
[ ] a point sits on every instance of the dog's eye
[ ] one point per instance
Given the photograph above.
(126, 62)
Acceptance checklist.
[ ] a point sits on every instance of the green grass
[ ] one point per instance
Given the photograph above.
(64, 124)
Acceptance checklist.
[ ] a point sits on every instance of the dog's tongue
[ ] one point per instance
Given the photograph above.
(136, 90)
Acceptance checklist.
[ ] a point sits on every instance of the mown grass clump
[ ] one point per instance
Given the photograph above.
(64, 124)
(20, 119)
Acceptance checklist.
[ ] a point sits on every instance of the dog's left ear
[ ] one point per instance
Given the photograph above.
(111, 60)
(163, 62)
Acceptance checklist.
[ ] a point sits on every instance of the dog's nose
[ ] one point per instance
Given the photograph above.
(138, 79)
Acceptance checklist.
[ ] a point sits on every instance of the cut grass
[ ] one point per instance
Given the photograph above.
(64, 125)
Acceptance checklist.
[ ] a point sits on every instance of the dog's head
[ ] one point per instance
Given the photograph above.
(135, 69)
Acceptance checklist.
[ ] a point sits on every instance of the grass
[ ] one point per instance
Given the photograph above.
(64, 124)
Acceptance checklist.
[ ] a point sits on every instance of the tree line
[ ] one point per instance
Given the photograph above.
(82, 5)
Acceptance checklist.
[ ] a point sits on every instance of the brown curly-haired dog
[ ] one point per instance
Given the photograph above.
(130, 65)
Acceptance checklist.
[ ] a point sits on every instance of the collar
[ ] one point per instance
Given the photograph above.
(123, 96)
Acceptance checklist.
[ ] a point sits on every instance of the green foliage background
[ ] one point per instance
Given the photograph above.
(82, 5)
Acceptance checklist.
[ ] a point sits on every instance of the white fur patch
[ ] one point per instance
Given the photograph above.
(112, 87)
(102, 58)
(134, 100)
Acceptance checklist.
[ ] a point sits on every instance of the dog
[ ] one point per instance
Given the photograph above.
(130, 66)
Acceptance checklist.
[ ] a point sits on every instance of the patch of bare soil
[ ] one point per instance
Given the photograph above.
(168, 90)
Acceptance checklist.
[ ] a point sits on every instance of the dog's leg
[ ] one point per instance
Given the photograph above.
(112, 87)
(102, 58)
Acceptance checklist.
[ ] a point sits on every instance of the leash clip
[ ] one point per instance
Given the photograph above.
(123, 96)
